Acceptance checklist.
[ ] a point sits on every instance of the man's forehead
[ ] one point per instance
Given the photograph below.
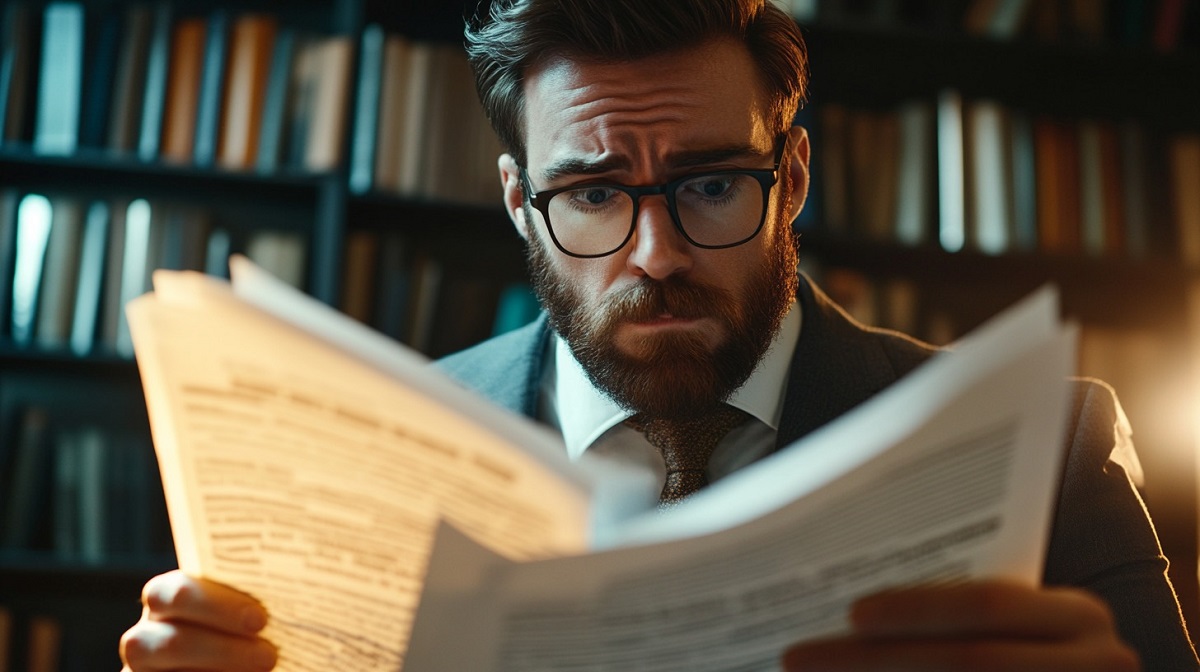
(667, 109)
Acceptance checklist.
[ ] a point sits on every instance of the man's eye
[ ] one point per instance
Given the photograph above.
(710, 187)
(592, 196)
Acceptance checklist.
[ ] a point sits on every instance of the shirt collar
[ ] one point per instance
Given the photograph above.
(592, 413)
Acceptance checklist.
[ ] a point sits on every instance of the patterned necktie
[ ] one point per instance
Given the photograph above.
(686, 447)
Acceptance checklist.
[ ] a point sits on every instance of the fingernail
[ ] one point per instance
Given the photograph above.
(253, 619)
(265, 656)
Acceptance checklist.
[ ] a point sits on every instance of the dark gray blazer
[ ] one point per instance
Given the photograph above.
(1102, 539)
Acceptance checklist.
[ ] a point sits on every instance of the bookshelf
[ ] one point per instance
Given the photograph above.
(408, 257)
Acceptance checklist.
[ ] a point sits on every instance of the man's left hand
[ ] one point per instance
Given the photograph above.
(979, 626)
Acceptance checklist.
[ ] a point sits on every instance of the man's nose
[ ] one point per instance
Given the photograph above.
(658, 249)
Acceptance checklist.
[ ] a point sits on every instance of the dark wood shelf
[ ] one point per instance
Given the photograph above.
(49, 574)
(99, 174)
(1101, 290)
(879, 66)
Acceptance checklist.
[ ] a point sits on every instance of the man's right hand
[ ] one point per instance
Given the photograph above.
(196, 625)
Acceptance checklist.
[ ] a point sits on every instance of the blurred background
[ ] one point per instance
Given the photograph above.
(964, 152)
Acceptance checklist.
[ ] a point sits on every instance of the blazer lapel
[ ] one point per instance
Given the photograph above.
(836, 365)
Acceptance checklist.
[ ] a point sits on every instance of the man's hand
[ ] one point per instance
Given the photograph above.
(196, 625)
(980, 626)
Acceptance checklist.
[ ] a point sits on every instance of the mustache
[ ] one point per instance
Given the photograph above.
(649, 299)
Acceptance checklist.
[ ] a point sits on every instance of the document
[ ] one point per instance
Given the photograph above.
(388, 518)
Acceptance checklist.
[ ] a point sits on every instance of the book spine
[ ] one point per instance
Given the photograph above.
(125, 114)
(91, 279)
(61, 80)
(99, 82)
(183, 90)
(323, 149)
(366, 113)
(275, 103)
(212, 83)
(155, 92)
(15, 51)
(135, 268)
(988, 177)
(252, 42)
(56, 300)
(952, 210)
(33, 234)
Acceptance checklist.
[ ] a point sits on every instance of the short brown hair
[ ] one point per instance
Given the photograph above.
(519, 34)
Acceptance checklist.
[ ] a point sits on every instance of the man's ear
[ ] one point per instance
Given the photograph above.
(514, 194)
(798, 158)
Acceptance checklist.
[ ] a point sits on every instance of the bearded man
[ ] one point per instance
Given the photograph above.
(654, 171)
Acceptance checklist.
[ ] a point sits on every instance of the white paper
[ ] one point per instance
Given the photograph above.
(948, 474)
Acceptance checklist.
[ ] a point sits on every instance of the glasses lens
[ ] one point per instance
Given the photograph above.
(720, 209)
(591, 220)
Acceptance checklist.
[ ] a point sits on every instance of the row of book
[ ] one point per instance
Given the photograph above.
(244, 92)
(419, 129)
(68, 266)
(973, 174)
(38, 649)
(80, 492)
(394, 285)
(1164, 25)
(156, 81)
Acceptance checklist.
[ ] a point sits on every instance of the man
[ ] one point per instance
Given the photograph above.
(653, 171)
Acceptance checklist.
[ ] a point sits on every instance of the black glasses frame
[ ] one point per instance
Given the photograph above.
(767, 179)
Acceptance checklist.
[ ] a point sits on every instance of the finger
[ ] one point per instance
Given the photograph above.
(992, 607)
(154, 646)
(955, 655)
(175, 596)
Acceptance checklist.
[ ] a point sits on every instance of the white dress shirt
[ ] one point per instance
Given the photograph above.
(590, 421)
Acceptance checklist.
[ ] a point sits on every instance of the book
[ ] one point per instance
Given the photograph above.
(358, 275)
(1184, 171)
(914, 191)
(9, 199)
(136, 264)
(102, 45)
(27, 480)
(125, 115)
(56, 294)
(16, 55)
(1024, 182)
(112, 309)
(34, 213)
(367, 109)
(393, 106)
(326, 127)
(250, 51)
(90, 280)
(349, 467)
(154, 93)
(989, 177)
(834, 167)
(282, 253)
(183, 90)
(952, 176)
(274, 131)
(1091, 192)
(419, 82)
(45, 644)
(212, 90)
(60, 81)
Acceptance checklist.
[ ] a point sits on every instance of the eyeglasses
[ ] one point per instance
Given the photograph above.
(724, 208)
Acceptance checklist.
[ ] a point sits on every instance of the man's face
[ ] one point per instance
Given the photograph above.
(662, 326)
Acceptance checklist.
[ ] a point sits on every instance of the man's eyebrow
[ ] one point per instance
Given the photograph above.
(573, 167)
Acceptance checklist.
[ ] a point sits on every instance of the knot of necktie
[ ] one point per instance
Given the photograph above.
(686, 446)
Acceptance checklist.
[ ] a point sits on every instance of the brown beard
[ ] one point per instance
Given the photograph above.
(677, 376)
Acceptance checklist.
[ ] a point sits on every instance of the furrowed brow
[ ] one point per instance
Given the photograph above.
(574, 167)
